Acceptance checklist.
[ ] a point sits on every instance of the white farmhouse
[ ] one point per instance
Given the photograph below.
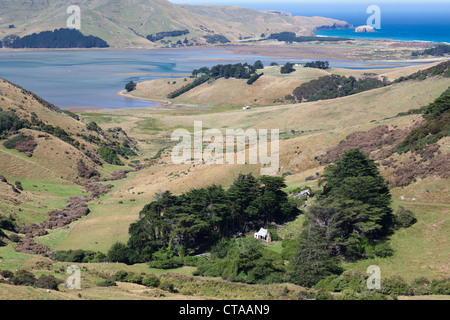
(263, 234)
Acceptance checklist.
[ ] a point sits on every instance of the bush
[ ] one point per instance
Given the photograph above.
(395, 285)
(6, 274)
(120, 275)
(18, 185)
(421, 286)
(324, 294)
(130, 86)
(349, 280)
(14, 238)
(372, 295)
(106, 283)
(167, 286)
(109, 156)
(7, 223)
(348, 294)
(119, 252)
(23, 278)
(404, 218)
(287, 68)
(253, 78)
(381, 250)
(191, 261)
(151, 281)
(21, 143)
(441, 286)
(133, 278)
(9, 121)
(172, 263)
(47, 282)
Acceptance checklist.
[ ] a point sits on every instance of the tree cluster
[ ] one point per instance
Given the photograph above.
(130, 86)
(439, 51)
(442, 69)
(196, 220)
(350, 220)
(318, 65)
(161, 35)
(59, 38)
(216, 38)
(238, 70)
(287, 68)
(436, 127)
(334, 86)
(204, 74)
(10, 122)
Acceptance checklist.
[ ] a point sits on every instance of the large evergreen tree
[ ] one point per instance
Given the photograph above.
(356, 177)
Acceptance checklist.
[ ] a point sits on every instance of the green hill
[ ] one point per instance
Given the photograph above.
(128, 23)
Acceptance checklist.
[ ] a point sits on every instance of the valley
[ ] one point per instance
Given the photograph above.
(49, 179)
(134, 155)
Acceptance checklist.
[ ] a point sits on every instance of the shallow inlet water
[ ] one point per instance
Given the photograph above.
(90, 79)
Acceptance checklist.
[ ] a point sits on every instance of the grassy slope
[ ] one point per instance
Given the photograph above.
(420, 250)
(329, 122)
(124, 24)
(271, 89)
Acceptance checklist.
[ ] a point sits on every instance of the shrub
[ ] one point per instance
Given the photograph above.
(382, 250)
(119, 252)
(21, 143)
(47, 282)
(172, 263)
(133, 278)
(421, 286)
(404, 218)
(348, 294)
(323, 294)
(287, 68)
(106, 283)
(191, 261)
(253, 78)
(167, 286)
(372, 295)
(395, 285)
(130, 86)
(9, 121)
(18, 185)
(23, 278)
(120, 275)
(109, 156)
(151, 281)
(7, 274)
(349, 280)
(441, 286)
(14, 238)
(7, 223)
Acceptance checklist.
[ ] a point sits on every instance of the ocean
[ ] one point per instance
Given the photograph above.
(407, 21)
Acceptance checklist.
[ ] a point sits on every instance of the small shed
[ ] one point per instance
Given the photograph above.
(263, 234)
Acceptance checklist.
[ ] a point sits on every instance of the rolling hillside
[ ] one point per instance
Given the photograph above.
(310, 132)
(127, 23)
(272, 88)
